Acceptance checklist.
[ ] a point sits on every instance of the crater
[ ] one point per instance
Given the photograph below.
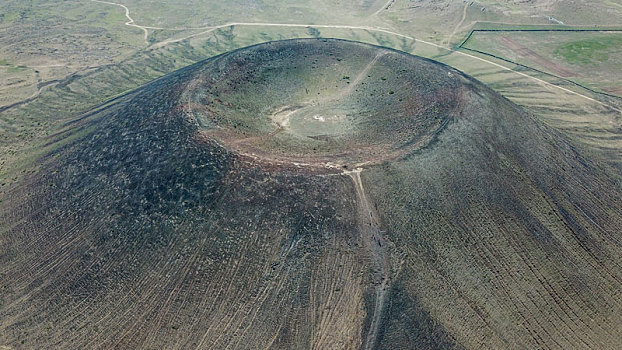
(322, 102)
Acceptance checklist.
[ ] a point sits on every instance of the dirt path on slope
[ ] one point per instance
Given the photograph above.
(464, 13)
(372, 238)
(357, 80)
(384, 7)
(282, 116)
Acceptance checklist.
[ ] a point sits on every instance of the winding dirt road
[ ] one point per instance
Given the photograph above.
(130, 21)
(464, 13)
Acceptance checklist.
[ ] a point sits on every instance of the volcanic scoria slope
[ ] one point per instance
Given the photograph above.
(317, 194)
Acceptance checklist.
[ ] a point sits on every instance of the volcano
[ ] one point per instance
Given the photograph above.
(312, 193)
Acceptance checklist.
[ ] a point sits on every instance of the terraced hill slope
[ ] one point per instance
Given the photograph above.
(312, 194)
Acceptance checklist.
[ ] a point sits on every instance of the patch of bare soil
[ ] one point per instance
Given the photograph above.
(615, 90)
(526, 52)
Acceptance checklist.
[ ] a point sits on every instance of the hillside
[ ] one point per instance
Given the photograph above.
(312, 194)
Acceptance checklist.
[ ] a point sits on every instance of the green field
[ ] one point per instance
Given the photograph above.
(599, 48)
(590, 58)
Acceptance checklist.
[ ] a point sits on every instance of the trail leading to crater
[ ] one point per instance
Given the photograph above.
(378, 246)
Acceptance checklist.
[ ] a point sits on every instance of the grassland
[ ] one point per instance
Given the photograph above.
(590, 58)
(597, 48)
(53, 40)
